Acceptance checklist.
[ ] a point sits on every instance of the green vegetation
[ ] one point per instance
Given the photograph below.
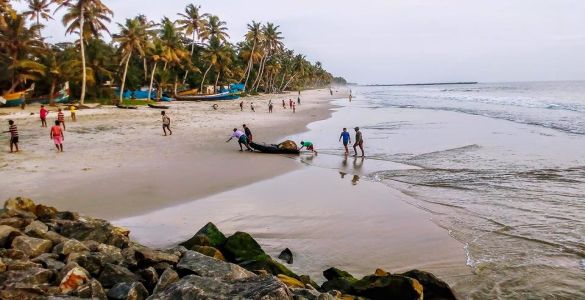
(166, 55)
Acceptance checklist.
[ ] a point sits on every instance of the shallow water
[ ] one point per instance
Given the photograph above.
(501, 166)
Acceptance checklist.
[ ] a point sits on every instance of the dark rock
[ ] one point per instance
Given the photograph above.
(128, 291)
(148, 277)
(146, 256)
(92, 289)
(216, 237)
(266, 263)
(7, 234)
(286, 255)
(32, 247)
(67, 215)
(113, 274)
(2, 266)
(335, 273)
(22, 293)
(196, 240)
(20, 204)
(196, 263)
(241, 247)
(308, 281)
(12, 253)
(110, 254)
(388, 287)
(434, 288)
(19, 264)
(45, 213)
(93, 262)
(129, 255)
(196, 287)
(36, 229)
(168, 277)
(28, 276)
(49, 261)
(70, 246)
(54, 237)
(342, 284)
(209, 251)
(100, 231)
(161, 267)
(311, 295)
(16, 222)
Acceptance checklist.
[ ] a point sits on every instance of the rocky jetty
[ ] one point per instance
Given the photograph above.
(51, 254)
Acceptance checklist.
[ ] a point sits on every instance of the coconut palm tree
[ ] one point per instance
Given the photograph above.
(272, 44)
(255, 36)
(86, 18)
(37, 10)
(215, 29)
(20, 43)
(217, 54)
(132, 38)
(155, 54)
(192, 23)
(173, 49)
(300, 66)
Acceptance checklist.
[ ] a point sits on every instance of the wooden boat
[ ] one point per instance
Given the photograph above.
(220, 96)
(272, 148)
(12, 99)
(62, 96)
(158, 106)
(126, 106)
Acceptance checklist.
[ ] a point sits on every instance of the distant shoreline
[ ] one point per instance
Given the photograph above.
(417, 84)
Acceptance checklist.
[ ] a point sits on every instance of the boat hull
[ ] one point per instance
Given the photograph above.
(221, 96)
(272, 149)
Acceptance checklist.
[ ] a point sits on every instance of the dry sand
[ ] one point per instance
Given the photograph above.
(117, 163)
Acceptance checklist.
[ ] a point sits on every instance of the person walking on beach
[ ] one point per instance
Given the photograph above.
(61, 118)
(283, 104)
(73, 110)
(346, 139)
(57, 136)
(294, 107)
(269, 106)
(13, 135)
(359, 141)
(252, 107)
(299, 100)
(308, 145)
(290, 102)
(242, 139)
(248, 133)
(166, 123)
(241, 105)
(43, 113)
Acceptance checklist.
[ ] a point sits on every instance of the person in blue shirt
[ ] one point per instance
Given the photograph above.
(346, 139)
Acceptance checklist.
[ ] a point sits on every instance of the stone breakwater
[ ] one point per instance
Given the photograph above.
(51, 254)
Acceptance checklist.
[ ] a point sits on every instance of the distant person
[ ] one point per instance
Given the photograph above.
(308, 145)
(299, 92)
(73, 110)
(248, 133)
(252, 108)
(283, 104)
(270, 106)
(13, 136)
(331, 91)
(241, 105)
(57, 136)
(242, 139)
(346, 139)
(61, 118)
(299, 100)
(166, 123)
(290, 102)
(215, 106)
(294, 107)
(43, 114)
(359, 141)
(350, 97)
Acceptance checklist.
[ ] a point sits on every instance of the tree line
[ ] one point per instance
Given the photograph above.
(191, 50)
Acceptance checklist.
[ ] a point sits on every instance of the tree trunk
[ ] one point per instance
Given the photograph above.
(192, 51)
(152, 79)
(145, 65)
(289, 81)
(124, 79)
(250, 65)
(203, 80)
(176, 84)
(52, 92)
(216, 81)
(81, 43)
(260, 72)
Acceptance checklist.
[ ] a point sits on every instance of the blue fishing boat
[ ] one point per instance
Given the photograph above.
(214, 97)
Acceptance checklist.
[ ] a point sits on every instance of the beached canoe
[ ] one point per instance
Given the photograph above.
(158, 106)
(126, 106)
(220, 96)
(272, 148)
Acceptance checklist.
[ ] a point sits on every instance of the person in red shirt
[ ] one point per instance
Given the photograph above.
(61, 118)
(57, 136)
(43, 113)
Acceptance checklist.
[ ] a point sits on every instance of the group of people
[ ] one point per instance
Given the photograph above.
(292, 105)
(244, 138)
(56, 133)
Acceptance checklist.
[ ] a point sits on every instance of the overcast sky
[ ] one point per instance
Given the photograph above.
(407, 41)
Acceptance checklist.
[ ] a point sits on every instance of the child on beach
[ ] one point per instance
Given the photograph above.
(248, 132)
(166, 123)
(359, 141)
(252, 106)
(290, 103)
(299, 100)
(346, 139)
(72, 110)
(13, 135)
(241, 105)
(242, 139)
(294, 107)
(43, 113)
(283, 104)
(269, 106)
(61, 118)
(308, 145)
(57, 136)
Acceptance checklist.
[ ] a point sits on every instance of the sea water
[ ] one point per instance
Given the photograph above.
(501, 166)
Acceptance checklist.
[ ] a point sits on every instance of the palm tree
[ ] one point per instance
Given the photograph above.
(215, 29)
(85, 17)
(192, 23)
(272, 44)
(300, 65)
(173, 50)
(217, 54)
(154, 53)
(19, 44)
(255, 36)
(38, 9)
(132, 37)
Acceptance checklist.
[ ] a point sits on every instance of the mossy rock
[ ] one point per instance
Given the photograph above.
(342, 284)
(242, 247)
(209, 251)
(216, 237)
(335, 273)
(388, 287)
(196, 240)
(434, 287)
(266, 263)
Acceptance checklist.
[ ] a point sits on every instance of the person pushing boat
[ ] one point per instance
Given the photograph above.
(242, 139)
(308, 145)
